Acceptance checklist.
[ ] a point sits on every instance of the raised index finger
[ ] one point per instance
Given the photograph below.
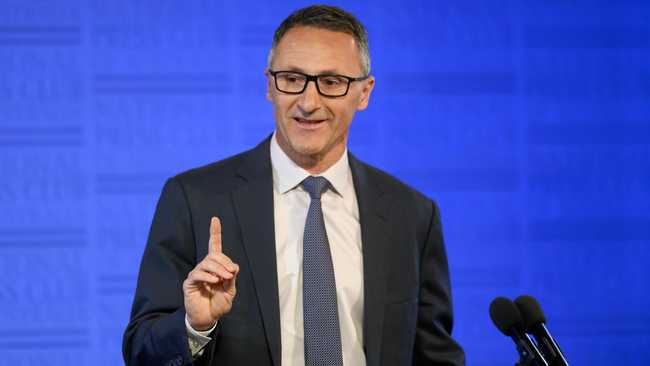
(214, 245)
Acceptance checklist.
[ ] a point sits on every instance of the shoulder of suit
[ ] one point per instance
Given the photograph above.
(395, 186)
(214, 177)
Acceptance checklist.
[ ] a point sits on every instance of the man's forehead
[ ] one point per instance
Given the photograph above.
(318, 32)
(317, 50)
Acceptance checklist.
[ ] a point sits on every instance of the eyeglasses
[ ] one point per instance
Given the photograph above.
(328, 85)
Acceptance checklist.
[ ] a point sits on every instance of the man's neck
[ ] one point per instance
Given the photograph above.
(317, 163)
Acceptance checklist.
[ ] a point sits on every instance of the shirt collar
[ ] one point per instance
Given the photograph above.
(287, 174)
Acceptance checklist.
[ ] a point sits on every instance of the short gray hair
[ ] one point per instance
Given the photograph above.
(331, 18)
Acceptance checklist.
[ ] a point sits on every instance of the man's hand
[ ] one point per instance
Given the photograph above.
(209, 288)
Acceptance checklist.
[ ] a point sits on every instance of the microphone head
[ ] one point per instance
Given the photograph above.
(506, 316)
(530, 310)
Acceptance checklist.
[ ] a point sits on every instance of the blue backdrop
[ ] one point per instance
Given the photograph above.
(528, 121)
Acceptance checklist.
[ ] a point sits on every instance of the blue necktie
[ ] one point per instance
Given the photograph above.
(321, 320)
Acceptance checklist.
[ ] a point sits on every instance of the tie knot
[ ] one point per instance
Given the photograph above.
(315, 186)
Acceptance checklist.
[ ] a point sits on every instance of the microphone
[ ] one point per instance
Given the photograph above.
(506, 317)
(535, 323)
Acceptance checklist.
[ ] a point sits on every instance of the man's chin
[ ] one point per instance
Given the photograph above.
(308, 151)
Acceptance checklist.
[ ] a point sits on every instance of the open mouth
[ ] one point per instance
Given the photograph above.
(309, 124)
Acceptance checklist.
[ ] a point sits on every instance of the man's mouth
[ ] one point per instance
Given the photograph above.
(309, 124)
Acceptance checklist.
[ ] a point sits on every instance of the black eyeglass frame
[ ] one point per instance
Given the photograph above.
(314, 78)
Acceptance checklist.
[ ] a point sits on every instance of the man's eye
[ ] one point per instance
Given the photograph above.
(332, 81)
(292, 78)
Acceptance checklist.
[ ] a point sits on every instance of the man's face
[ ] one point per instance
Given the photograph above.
(312, 128)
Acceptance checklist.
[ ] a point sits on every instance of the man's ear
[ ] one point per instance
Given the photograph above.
(269, 84)
(364, 98)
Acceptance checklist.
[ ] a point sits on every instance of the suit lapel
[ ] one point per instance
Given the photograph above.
(253, 203)
(374, 205)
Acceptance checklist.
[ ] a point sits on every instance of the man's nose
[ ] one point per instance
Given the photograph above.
(309, 100)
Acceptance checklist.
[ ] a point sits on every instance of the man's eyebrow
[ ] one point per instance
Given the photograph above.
(296, 69)
(323, 72)
(329, 72)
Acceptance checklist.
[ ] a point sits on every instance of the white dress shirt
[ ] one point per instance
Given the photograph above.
(341, 214)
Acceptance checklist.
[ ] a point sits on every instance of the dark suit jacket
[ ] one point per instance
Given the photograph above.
(407, 300)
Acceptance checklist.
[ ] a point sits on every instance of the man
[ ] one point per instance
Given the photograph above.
(295, 252)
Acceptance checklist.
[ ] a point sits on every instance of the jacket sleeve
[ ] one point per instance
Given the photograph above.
(156, 333)
(433, 342)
